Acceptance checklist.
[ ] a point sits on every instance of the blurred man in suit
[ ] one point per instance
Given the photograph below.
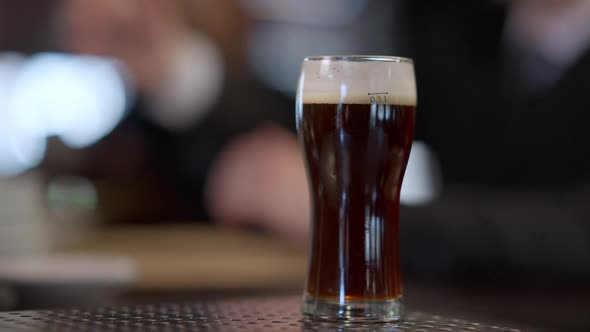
(193, 98)
(502, 102)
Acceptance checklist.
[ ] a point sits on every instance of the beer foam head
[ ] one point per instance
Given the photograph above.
(357, 80)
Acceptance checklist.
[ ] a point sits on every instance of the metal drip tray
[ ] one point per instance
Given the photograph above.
(260, 314)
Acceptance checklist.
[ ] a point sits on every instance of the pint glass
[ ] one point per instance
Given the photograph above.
(355, 120)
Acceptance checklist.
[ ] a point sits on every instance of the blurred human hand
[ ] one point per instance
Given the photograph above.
(142, 34)
(259, 180)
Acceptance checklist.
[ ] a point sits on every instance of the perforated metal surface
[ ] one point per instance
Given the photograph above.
(269, 314)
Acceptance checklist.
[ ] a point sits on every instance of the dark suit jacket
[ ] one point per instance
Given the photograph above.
(144, 173)
(516, 164)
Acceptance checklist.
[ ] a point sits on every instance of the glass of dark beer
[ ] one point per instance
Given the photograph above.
(355, 119)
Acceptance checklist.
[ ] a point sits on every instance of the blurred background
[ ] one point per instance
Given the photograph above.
(148, 150)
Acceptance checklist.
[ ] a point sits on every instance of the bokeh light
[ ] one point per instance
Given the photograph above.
(422, 181)
(78, 98)
(19, 150)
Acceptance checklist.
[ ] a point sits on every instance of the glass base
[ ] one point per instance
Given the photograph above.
(352, 311)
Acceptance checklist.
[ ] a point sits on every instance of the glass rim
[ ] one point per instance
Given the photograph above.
(359, 58)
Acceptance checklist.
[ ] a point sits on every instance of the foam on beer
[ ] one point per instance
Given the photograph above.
(354, 82)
